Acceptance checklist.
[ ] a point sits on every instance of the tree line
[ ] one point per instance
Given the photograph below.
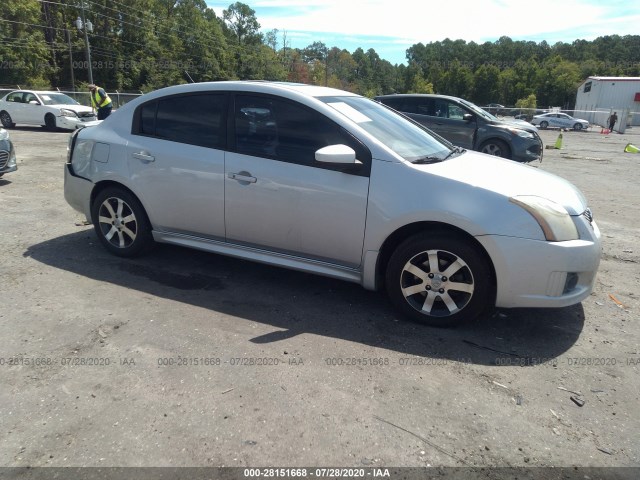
(142, 45)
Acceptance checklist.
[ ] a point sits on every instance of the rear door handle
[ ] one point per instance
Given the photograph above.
(243, 177)
(144, 156)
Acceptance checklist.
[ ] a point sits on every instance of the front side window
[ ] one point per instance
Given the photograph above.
(455, 112)
(196, 119)
(287, 131)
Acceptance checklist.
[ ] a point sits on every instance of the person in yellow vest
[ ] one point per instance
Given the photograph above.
(100, 101)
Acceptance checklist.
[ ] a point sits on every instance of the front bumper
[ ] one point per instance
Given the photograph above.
(7, 158)
(527, 150)
(71, 123)
(534, 273)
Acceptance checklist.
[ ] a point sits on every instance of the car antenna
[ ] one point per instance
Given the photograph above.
(190, 79)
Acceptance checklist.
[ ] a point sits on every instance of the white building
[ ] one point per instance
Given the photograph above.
(599, 97)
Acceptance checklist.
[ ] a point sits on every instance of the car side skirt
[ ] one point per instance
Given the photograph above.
(262, 256)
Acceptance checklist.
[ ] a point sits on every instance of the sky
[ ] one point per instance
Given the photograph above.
(390, 27)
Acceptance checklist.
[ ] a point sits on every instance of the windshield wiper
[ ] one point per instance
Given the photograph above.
(425, 160)
(456, 150)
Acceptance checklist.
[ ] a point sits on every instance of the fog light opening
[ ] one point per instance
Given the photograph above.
(571, 282)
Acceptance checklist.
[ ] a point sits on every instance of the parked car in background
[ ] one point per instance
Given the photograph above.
(559, 120)
(49, 109)
(469, 126)
(7, 154)
(528, 114)
(329, 182)
(495, 109)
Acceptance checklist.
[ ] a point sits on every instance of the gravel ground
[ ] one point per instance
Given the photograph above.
(183, 358)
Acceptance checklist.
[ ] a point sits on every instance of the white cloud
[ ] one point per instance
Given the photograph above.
(406, 22)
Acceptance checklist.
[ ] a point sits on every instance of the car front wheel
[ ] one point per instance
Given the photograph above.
(6, 120)
(497, 148)
(121, 222)
(439, 280)
(544, 125)
(577, 126)
(50, 121)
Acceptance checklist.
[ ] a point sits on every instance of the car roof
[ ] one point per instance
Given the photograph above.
(38, 92)
(252, 86)
(425, 95)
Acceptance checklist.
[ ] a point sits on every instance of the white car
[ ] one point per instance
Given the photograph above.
(50, 109)
(325, 181)
(559, 120)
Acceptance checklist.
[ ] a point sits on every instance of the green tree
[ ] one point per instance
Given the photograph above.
(241, 20)
(23, 51)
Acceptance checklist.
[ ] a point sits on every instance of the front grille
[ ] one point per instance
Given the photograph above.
(86, 114)
(4, 158)
(588, 215)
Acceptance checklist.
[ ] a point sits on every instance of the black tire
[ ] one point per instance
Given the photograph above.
(577, 126)
(497, 148)
(6, 120)
(544, 125)
(50, 122)
(121, 223)
(457, 290)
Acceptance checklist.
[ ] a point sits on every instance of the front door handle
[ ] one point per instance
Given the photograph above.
(144, 156)
(243, 177)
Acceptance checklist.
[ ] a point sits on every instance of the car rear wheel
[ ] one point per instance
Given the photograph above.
(439, 280)
(121, 222)
(7, 121)
(577, 126)
(50, 121)
(544, 125)
(497, 148)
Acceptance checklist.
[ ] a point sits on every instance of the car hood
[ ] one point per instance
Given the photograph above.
(510, 178)
(515, 124)
(75, 108)
(522, 124)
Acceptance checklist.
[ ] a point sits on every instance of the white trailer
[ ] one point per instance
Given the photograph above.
(599, 97)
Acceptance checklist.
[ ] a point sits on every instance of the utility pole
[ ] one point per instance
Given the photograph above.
(83, 25)
(73, 82)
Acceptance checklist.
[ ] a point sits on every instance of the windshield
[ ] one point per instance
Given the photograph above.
(404, 137)
(57, 99)
(479, 111)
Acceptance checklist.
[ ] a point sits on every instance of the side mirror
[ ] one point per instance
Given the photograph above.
(339, 154)
(34, 102)
(467, 117)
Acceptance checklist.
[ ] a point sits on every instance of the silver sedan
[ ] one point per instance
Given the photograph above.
(559, 120)
(329, 182)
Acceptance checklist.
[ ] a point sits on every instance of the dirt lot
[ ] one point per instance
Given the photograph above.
(183, 358)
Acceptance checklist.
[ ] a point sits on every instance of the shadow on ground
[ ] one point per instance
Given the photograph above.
(296, 303)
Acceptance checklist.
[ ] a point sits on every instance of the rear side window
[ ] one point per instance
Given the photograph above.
(15, 97)
(193, 119)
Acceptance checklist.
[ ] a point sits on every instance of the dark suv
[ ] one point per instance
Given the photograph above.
(467, 125)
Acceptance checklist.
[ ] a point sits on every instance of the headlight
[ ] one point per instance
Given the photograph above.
(521, 133)
(67, 113)
(554, 220)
